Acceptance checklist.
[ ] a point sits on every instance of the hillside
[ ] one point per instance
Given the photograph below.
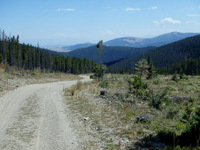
(144, 42)
(125, 41)
(29, 57)
(131, 41)
(166, 55)
(109, 53)
(77, 46)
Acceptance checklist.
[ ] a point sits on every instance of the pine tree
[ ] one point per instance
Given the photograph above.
(12, 51)
(5, 51)
(101, 68)
(33, 57)
(86, 64)
(141, 68)
(81, 66)
(38, 56)
(1, 58)
(68, 65)
(1, 49)
(24, 57)
(151, 68)
(18, 53)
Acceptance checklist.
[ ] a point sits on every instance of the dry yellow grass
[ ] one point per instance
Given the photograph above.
(12, 79)
(110, 124)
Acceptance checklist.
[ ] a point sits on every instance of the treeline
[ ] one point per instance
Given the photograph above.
(167, 58)
(189, 66)
(30, 57)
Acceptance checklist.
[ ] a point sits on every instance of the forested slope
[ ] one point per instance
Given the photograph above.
(29, 57)
(165, 56)
(109, 53)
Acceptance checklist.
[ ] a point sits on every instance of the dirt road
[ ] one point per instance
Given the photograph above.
(34, 117)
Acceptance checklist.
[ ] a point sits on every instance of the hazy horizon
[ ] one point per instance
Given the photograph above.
(63, 22)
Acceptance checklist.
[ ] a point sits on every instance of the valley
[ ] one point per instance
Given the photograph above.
(100, 75)
(145, 98)
(109, 53)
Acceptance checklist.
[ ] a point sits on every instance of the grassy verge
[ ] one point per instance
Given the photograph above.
(11, 77)
(111, 123)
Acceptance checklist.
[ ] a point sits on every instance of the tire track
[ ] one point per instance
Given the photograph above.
(34, 118)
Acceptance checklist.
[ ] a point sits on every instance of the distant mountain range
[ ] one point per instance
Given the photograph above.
(109, 53)
(164, 56)
(77, 46)
(137, 42)
(144, 42)
(112, 54)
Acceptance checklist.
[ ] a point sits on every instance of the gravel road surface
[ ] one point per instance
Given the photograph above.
(34, 117)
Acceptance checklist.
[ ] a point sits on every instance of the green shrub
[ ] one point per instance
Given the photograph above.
(172, 113)
(183, 76)
(189, 110)
(99, 72)
(157, 81)
(138, 87)
(190, 136)
(175, 77)
(171, 88)
(137, 84)
(7, 69)
(103, 84)
(171, 82)
(177, 148)
(156, 99)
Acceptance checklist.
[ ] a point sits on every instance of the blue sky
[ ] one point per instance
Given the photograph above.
(67, 22)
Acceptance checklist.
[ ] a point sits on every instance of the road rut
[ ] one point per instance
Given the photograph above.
(34, 117)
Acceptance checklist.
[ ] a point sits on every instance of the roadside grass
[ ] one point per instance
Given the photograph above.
(110, 123)
(36, 73)
(11, 77)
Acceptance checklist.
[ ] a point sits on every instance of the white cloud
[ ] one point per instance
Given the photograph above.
(154, 8)
(67, 9)
(167, 20)
(132, 9)
(193, 15)
(170, 20)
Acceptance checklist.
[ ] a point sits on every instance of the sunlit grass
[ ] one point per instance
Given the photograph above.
(117, 120)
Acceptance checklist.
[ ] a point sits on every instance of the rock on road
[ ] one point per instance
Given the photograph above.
(34, 117)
